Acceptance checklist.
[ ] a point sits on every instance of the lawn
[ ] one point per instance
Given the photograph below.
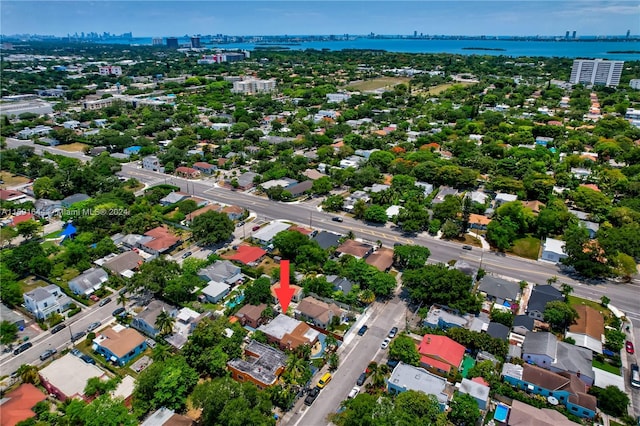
(11, 179)
(73, 147)
(606, 367)
(528, 247)
(573, 300)
(467, 364)
(377, 83)
(436, 90)
(267, 265)
(31, 283)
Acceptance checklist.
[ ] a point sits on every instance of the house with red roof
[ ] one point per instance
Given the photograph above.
(187, 172)
(163, 240)
(202, 210)
(247, 254)
(21, 218)
(205, 167)
(440, 354)
(17, 406)
(11, 195)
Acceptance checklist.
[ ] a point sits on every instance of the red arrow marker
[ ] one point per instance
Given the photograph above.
(284, 293)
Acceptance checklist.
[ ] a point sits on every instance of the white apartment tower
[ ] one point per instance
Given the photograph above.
(252, 85)
(596, 71)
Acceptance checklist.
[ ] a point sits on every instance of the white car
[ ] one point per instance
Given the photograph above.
(385, 343)
(354, 392)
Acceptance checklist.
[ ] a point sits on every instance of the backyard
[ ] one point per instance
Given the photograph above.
(10, 179)
(528, 247)
(377, 83)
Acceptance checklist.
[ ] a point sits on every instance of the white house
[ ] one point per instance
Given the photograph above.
(89, 281)
(215, 291)
(44, 301)
(553, 250)
(151, 162)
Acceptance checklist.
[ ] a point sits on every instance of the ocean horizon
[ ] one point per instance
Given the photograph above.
(627, 50)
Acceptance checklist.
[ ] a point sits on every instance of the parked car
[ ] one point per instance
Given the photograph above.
(392, 363)
(86, 358)
(255, 228)
(94, 298)
(354, 392)
(57, 328)
(363, 330)
(385, 343)
(629, 347)
(117, 312)
(104, 301)
(187, 254)
(336, 219)
(324, 380)
(361, 379)
(239, 224)
(93, 326)
(79, 335)
(47, 354)
(311, 396)
(151, 343)
(22, 348)
(393, 332)
(75, 352)
(465, 247)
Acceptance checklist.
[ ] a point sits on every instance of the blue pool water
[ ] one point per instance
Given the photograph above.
(236, 301)
(501, 413)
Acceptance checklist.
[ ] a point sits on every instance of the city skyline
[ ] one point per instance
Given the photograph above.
(164, 18)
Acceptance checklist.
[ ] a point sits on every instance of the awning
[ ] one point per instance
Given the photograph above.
(113, 359)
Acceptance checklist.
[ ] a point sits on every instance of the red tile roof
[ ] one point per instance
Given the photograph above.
(9, 194)
(203, 165)
(21, 218)
(440, 352)
(19, 404)
(162, 238)
(187, 170)
(247, 254)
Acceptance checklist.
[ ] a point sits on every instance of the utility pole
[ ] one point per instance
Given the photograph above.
(310, 219)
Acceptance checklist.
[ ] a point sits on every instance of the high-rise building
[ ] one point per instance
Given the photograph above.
(156, 41)
(596, 71)
(172, 42)
(574, 35)
(195, 42)
(566, 35)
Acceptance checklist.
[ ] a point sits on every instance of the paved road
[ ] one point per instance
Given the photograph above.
(354, 360)
(61, 340)
(39, 149)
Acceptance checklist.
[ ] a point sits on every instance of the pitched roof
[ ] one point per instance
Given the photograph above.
(327, 239)
(247, 254)
(163, 239)
(526, 415)
(354, 248)
(319, 310)
(541, 295)
(499, 288)
(16, 405)
(441, 351)
(478, 219)
(207, 208)
(541, 343)
(90, 279)
(589, 322)
(382, 259)
(120, 340)
(497, 330)
(252, 312)
(151, 312)
(124, 261)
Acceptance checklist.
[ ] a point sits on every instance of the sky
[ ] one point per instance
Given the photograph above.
(148, 18)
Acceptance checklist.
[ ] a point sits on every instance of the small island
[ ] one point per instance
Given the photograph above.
(499, 49)
(632, 52)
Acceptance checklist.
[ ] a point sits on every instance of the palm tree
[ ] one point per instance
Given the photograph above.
(295, 368)
(331, 342)
(367, 296)
(160, 352)
(29, 374)
(164, 323)
(122, 299)
(566, 290)
(303, 352)
(379, 375)
(333, 359)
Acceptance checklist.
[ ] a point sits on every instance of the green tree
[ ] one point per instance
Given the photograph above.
(322, 186)
(410, 256)
(164, 323)
(502, 317)
(559, 315)
(614, 339)
(404, 349)
(211, 228)
(165, 384)
(333, 203)
(8, 332)
(288, 243)
(376, 214)
(464, 410)
(359, 209)
(29, 229)
(29, 374)
(107, 411)
(566, 290)
(611, 400)
(10, 291)
(258, 292)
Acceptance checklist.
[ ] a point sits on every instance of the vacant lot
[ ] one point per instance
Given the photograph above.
(526, 247)
(436, 90)
(12, 180)
(72, 147)
(378, 83)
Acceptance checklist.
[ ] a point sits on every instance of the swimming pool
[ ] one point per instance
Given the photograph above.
(236, 301)
(502, 411)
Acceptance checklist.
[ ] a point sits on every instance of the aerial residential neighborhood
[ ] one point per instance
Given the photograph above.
(459, 235)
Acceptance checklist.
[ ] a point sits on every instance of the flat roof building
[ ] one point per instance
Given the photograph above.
(596, 71)
(261, 366)
(67, 376)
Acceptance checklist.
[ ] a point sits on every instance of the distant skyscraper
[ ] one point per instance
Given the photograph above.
(566, 35)
(415, 33)
(172, 42)
(157, 41)
(195, 42)
(596, 71)
(574, 34)
(628, 33)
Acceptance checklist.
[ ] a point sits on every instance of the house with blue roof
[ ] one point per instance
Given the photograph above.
(132, 150)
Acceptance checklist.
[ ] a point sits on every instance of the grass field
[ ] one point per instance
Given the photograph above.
(11, 179)
(436, 90)
(377, 83)
(31, 283)
(528, 247)
(606, 367)
(573, 301)
(72, 147)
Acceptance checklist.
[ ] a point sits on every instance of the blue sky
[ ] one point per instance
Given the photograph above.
(473, 17)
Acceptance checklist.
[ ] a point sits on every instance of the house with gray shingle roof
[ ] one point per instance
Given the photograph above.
(89, 281)
(499, 290)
